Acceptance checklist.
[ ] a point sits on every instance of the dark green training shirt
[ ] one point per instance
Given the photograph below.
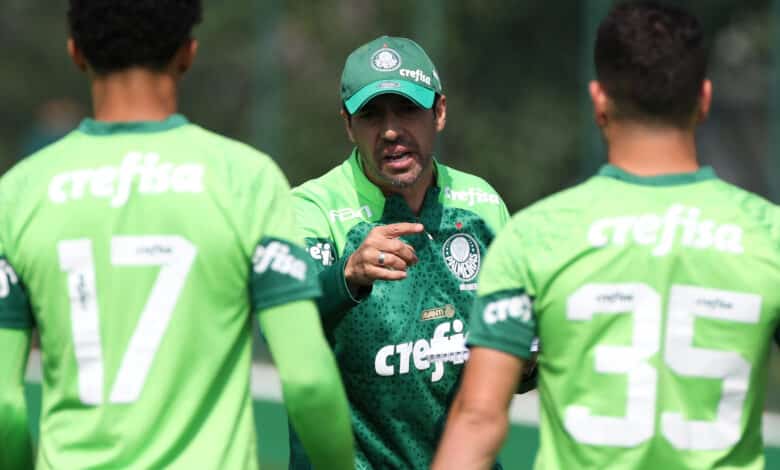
(397, 396)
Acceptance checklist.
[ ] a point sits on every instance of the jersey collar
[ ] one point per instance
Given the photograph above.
(93, 127)
(672, 179)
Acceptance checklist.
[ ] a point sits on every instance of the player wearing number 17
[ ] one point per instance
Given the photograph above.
(653, 286)
(141, 246)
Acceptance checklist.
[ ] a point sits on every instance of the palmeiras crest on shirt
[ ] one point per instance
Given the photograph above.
(461, 254)
(385, 60)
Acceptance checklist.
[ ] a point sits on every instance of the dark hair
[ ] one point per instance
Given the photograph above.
(118, 34)
(651, 61)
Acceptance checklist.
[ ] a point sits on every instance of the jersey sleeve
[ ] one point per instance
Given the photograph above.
(312, 388)
(281, 271)
(503, 316)
(503, 216)
(315, 232)
(14, 429)
(15, 311)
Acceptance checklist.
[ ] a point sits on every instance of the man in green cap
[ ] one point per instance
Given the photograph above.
(398, 238)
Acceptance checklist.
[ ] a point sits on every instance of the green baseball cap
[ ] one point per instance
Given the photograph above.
(389, 65)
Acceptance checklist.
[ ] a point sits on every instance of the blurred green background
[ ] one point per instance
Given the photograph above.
(514, 73)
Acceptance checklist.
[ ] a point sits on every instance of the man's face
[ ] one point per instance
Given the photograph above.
(395, 138)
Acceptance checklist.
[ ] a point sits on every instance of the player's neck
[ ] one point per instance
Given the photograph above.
(648, 151)
(134, 95)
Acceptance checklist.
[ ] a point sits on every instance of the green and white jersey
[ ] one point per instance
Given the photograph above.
(398, 397)
(655, 300)
(143, 249)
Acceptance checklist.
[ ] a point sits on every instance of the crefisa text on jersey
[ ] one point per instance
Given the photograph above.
(115, 183)
(471, 196)
(661, 231)
(277, 256)
(417, 353)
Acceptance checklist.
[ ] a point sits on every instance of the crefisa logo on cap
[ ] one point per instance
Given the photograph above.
(385, 60)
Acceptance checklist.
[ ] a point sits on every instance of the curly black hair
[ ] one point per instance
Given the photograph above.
(118, 34)
(651, 61)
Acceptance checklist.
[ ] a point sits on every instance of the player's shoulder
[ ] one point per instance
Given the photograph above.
(226, 149)
(757, 209)
(35, 166)
(333, 181)
(452, 179)
(559, 207)
(338, 187)
(553, 221)
(246, 171)
(470, 192)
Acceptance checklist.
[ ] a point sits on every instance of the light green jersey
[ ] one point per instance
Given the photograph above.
(655, 300)
(143, 248)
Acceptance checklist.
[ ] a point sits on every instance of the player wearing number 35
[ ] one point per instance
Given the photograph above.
(142, 247)
(653, 286)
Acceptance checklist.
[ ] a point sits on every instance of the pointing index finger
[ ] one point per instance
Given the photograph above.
(400, 229)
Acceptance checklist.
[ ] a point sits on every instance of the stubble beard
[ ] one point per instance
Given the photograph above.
(404, 182)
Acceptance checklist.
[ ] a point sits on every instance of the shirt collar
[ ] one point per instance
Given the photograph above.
(93, 127)
(671, 179)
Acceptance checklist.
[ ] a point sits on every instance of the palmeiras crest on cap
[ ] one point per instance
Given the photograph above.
(386, 60)
(461, 254)
(389, 65)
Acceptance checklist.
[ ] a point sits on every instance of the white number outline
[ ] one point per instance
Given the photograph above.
(689, 361)
(643, 303)
(175, 256)
(7, 278)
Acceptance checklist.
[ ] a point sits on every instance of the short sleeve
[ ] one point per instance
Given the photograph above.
(312, 221)
(315, 231)
(504, 215)
(503, 316)
(281, 270)
(15, 311)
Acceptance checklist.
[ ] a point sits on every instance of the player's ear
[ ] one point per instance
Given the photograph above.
(347, 123)
(186, 56)
(600, 103)
(440, 112)
(705, 101)
(76, 55)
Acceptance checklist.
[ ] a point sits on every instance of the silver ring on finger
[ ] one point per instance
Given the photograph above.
(380, 259)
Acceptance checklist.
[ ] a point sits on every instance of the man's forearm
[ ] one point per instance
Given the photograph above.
(483, 433)
(320, 415)
(478, 420)
(15, 437)
(311, 384)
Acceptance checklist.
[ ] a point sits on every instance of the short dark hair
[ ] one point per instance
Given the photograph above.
(119, 34)
(651, 61)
